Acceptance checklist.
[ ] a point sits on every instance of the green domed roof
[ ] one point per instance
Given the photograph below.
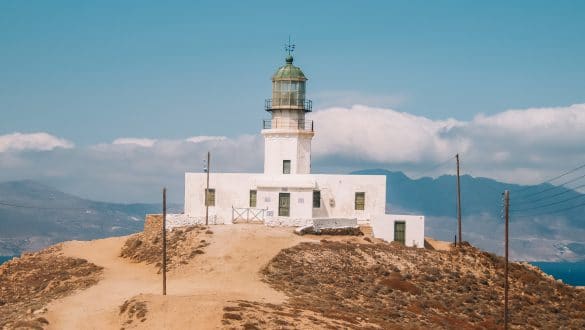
(289, 71)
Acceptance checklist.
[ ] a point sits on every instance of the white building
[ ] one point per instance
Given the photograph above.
(287, 194)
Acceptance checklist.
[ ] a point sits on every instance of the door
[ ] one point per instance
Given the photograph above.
(399, 231)
(284, 204)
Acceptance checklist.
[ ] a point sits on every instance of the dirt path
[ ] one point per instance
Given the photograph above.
(196, 292)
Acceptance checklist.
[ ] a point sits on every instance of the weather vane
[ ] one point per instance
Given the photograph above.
(288, 47)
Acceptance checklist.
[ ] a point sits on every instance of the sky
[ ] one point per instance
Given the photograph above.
(112, 99)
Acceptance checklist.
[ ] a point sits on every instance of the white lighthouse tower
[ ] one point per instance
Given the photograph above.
(287, 135)
(287, 193)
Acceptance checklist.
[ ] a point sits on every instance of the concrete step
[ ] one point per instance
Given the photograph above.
(367, 230)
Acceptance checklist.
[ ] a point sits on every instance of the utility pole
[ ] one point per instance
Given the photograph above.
(207, 190)
(507, 215)
(164, 242)
(458, 201)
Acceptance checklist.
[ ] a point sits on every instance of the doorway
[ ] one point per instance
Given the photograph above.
(399, 232)
(284, 204)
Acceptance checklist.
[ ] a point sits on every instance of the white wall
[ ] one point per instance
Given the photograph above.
(286, 144)
(337, 195)
(231, 189)
(383, 227)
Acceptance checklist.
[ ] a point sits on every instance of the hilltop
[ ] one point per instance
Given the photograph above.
(253, 277)
(61, 216)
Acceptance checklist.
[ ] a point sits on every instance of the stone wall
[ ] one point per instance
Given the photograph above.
(153, 225)
(287, 222)
(319, 224)
(153, 222)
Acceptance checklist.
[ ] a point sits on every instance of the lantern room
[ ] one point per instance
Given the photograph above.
(288, 89)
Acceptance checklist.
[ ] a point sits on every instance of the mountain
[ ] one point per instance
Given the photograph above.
(534, 234)
(33, 215)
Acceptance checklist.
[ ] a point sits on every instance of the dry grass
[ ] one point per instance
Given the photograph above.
(133, 310)
(379, 285)
(28, 283)
(183, 244)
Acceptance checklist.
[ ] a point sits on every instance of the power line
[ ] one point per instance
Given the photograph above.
(551, 212)
(40, 207)
(552, 179)
(551, 196)
(550, 204)
(434, 167)
(554, 187)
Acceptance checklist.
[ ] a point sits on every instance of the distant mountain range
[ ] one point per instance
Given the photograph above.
(38, 215)
(33, 215)
(538, 230)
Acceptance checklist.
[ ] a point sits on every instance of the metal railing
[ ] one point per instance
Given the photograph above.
(284, 103)
(303, 125)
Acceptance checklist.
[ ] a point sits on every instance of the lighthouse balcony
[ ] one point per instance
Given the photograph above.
(288, 103)
(301, 125)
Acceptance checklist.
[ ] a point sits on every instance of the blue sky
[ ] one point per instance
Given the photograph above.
(112, 100)
(93, 71)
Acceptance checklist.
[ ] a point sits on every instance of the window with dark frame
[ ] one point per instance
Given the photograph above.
(286, 167)
(316, 199)
(210, 197)
(253, 195)
(360, 201)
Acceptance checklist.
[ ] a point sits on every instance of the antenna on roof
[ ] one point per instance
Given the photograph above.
(288, 47)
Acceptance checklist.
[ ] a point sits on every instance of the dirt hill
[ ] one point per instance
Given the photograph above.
(255, 277)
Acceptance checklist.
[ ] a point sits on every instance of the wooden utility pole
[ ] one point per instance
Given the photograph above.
(507, 215)
(164, 242)
(458, 201)
(207, 190)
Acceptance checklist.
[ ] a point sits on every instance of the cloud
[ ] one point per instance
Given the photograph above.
(141, 142)
(521, 146)
(348, 98)
(32, 141)
(204, 138)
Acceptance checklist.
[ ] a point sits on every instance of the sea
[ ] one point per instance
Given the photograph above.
(572, 273)
(3, 259)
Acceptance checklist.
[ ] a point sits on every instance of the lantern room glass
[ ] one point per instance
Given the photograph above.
(287, 93)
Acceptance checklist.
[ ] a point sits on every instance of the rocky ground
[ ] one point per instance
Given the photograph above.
(183, 244)
(28, 283)
(367, 284)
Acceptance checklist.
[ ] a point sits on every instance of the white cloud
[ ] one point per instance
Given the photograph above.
(32, 141)
(204, 138)
(522, 146)
(349, 98)
(142, 142)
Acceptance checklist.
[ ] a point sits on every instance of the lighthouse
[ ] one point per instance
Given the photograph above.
(287, 135)
(287, 193)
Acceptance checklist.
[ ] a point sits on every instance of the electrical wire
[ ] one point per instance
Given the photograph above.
(39, 207)
(553, 187)
(552, 179)
(550, 204)
(551, 196)
(551, 212)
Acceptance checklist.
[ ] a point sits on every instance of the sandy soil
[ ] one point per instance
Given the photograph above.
(438, 245)
(196, 293)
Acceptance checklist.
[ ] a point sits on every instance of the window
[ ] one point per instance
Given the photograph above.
(316, 199)
(286, 167)
(360, 200)
(284, 204)
(210, 200)
(400, 232)
(253, 195)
